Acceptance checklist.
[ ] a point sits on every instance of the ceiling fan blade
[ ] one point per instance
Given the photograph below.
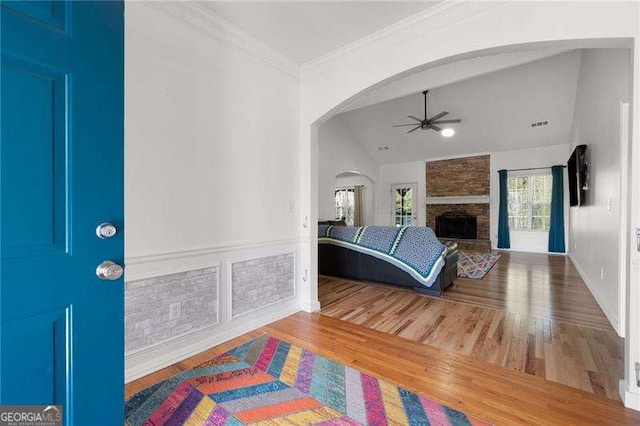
(435, 117)
(457, 120)
(415, 118)
(413, 130)
(436, 128)
(402, 125)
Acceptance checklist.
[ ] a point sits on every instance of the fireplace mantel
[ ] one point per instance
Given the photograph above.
(478, 199)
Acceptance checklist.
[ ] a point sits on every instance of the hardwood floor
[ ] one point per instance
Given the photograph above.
(496, 394)
(531, 313)
(535, 285)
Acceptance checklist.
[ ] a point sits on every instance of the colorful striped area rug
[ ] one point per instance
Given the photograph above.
(271, 382)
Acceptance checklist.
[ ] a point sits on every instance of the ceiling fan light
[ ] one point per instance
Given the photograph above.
(448, 132)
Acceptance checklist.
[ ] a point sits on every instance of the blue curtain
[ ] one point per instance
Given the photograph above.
(503, 212)
(556, 226)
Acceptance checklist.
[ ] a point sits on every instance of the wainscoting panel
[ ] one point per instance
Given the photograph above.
(147, 304)
(224, 292)
(258, 283)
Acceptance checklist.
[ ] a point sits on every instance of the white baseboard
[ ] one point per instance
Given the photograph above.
(629, 399)
(153, 358)
(611, 316)
(310, 307)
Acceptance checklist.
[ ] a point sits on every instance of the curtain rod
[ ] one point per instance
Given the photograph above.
(531, 168)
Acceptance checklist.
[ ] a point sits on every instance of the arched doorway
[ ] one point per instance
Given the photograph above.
(332, 84)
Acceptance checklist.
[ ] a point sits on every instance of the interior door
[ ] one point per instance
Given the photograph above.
(61, 150)
(404, 204)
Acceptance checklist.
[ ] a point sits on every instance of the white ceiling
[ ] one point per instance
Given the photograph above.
(496, 109)
(305, 30)
(443, 75)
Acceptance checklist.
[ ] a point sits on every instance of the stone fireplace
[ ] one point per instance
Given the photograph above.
(458, 206)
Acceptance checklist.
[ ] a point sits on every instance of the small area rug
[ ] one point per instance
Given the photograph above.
(271, 382)
(475, 265)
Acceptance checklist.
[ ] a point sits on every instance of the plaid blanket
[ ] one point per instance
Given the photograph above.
(414, 249)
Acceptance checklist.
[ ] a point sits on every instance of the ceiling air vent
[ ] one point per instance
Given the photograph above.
(540, 123)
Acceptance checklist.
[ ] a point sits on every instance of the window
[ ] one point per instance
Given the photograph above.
(402, 199)
(529, 202)
(345, 204)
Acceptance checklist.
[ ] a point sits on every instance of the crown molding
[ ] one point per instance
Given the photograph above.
(464, 8)
(210, 24)
(203, 20)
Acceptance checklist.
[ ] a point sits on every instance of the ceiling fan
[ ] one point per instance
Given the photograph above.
(429, 123)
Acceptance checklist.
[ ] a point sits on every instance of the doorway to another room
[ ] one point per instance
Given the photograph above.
(404, 201)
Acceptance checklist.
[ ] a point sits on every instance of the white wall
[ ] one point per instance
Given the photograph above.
(603, 84)
(211, 140)
(339, 152)
(530, 241)
(212, 159)
(412, 172)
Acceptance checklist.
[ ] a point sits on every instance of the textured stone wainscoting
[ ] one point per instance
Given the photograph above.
(261, 282)
(147, 306)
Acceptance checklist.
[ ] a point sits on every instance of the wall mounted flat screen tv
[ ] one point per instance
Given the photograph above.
(577, 171)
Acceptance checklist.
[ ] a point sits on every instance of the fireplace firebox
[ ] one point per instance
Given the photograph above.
(456, 225)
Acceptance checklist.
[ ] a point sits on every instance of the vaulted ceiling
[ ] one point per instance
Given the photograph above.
(497, 97)
(305, 30)
(497, 111)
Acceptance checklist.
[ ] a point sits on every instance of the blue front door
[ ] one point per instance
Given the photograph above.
(61, 164)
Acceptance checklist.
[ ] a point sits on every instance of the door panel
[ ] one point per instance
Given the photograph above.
(50, 13)
(36, 123)
(61, 174)
(41, 376)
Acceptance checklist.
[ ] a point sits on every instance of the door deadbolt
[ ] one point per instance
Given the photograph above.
(109, 270)
(106, 230)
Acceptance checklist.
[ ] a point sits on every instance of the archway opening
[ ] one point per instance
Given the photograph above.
(377, 91)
